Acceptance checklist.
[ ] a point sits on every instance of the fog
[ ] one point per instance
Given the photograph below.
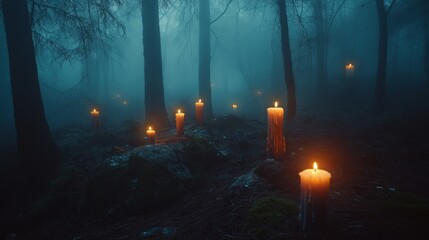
(246, 63)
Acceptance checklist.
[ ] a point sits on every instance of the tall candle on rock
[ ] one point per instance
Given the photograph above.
(180, 123)
(199, 109)
(276, 144)
(150, 133)
(314, 197)
(95, 120)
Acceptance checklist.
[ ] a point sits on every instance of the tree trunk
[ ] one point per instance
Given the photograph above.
(204, 58)
(426, 44)
(321, 45)
(380, 93)
(287, 61)
(156, 114)
(38, 155)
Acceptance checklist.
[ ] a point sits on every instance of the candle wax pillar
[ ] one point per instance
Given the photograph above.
(95, 120)
(180, 123)
(199, 109)
(150, 135)
(314, 198)
(350, 71)
(276, 144)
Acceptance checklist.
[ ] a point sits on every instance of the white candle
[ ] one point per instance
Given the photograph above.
(314, 196)
(150, 135)
(95, 119)
(180, 123)
(276, 144)
(199, 112)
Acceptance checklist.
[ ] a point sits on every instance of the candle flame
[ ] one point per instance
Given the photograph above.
(178, 111)
(234, 106)
(94, 111)
(276, 104)
(150, 128)
(199, 100)
(315, 166)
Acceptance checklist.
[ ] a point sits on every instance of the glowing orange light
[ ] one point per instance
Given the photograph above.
(234, 106)
(150, 128)
(315, 166)
(349, 66)
(276, 104)
(94, 111)
(199, 100)
(178, 111)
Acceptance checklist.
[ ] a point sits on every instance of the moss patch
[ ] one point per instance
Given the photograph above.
(270, 218)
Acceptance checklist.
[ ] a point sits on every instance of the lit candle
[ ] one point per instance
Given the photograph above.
(95, 119)
(314, 197)
(276, 144)
(180, 123)
(199, 112)
(150, 135)
(234, 106)
(350, 70)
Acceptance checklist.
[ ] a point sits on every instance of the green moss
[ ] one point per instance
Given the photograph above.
(268, 218)
(406, 205)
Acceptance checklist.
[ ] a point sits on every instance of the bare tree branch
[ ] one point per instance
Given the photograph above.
(224, 11)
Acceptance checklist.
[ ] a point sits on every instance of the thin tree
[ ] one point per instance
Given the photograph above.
(38, 155)
(324, 13)
(380, 87)
(287, 60)
(204, 82)
(155, 111)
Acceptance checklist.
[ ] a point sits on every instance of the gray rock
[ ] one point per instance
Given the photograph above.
(158, 231)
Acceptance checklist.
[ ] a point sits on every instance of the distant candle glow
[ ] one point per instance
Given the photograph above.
(235, 106)
(95, 119)
(350, 66)
(150, 135)
(199, 110)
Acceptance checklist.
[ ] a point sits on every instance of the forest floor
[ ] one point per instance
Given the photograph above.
(379, 186)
